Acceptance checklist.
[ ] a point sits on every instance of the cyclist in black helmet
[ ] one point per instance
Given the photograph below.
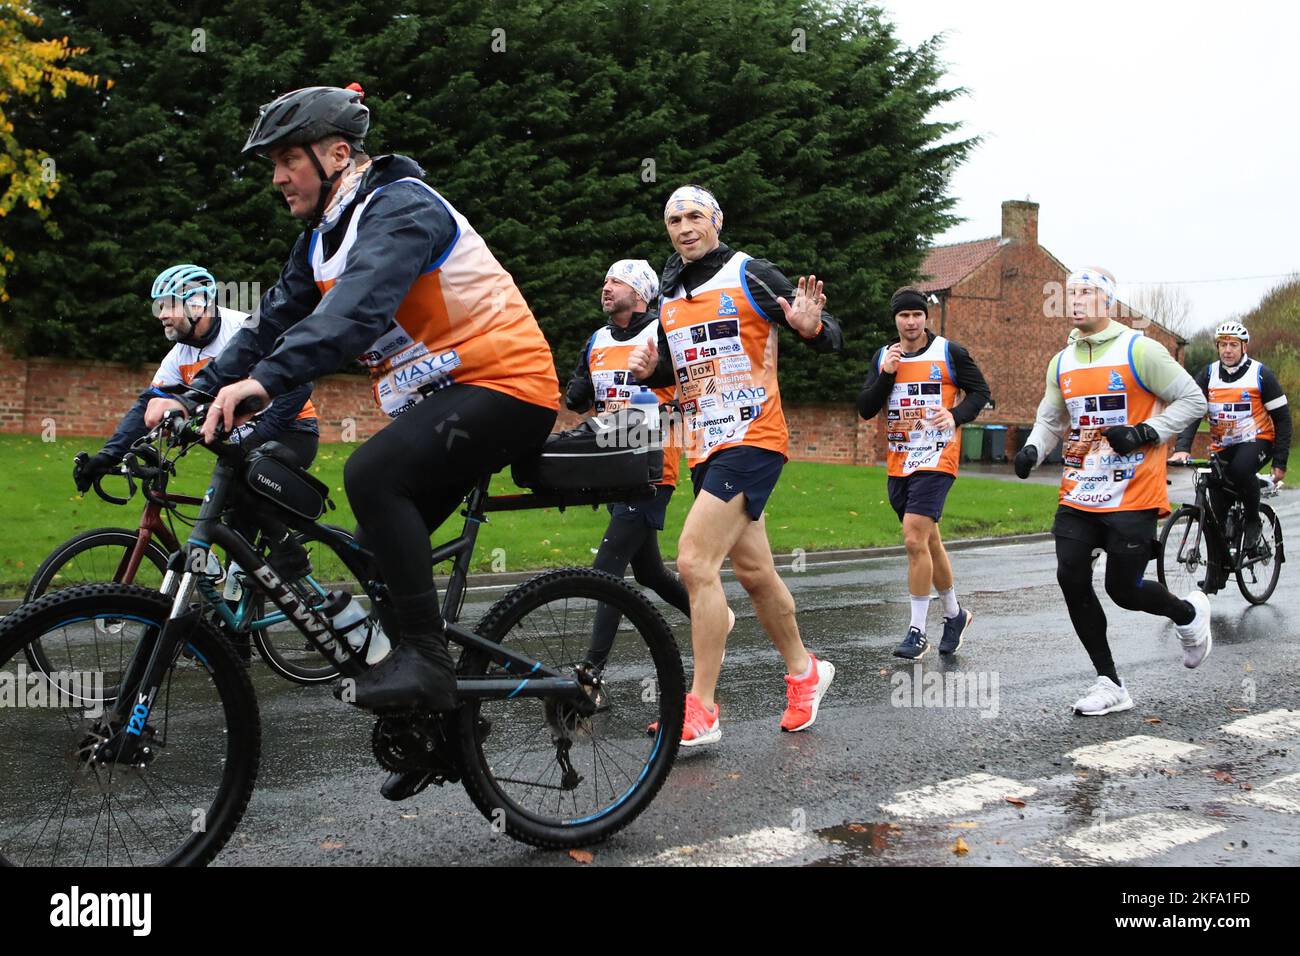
(390, 273)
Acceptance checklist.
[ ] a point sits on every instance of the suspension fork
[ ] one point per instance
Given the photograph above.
(154, 656)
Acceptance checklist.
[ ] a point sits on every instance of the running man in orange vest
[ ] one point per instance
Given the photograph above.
(719, 315)
(1115, 397)
(1250, 424)
(601, 382)
(918, 378)
(389, 273)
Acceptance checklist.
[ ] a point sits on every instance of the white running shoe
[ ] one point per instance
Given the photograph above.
(1103, 697)
(1195, 637)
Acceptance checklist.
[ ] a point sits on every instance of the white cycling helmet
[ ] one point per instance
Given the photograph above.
(1232, 330)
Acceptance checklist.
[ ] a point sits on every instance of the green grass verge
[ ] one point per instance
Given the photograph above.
(815, 507)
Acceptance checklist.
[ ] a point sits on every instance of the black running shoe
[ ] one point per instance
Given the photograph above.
(914, 646)
(953, 629)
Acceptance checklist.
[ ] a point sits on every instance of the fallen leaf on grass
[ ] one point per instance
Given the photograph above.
(960, 848)
(581, 856)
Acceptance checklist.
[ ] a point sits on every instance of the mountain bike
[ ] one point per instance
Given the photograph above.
(124, 556)
(1200, 548)
(548, 748)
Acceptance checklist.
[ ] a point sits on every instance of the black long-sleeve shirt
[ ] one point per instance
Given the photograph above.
(581, 393)
(1270, 392)
(966, 376)
(766, 284)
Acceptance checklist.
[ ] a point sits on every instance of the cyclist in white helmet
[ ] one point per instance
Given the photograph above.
(1250, 424)
(185, 302)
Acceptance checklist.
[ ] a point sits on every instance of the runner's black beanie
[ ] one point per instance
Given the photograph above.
(907, 300)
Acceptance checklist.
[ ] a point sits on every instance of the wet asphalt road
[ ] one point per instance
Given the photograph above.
(1183, 791)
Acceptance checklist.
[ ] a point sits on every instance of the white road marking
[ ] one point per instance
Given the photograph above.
(1282, 795)
(1136, 838)
(756, 848)
(1271, 725)
(958, 797)
(1132, 753)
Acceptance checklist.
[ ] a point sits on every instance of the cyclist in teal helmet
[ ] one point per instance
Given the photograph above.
(185, 302)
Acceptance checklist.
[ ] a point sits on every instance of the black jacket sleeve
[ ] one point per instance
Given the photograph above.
(875, 391)
(1271, 391)
(1188, 434)
(292, 297)
(970, 380)
(766, 284)
(281, 414)
(581, 393)
(131, 427)
(663, 375)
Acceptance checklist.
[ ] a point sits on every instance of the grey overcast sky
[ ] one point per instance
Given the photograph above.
(1161, 139)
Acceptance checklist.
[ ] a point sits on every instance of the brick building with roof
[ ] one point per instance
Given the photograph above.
(1003, 299)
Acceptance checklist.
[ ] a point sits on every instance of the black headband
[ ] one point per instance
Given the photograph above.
(909, 300)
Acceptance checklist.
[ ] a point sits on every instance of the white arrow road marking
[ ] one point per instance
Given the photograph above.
(1132, 753)
(958, 797)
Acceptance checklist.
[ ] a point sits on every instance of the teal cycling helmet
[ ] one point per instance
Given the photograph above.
(183, 283)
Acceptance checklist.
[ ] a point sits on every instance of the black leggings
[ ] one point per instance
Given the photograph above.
(409, 478)
(1242, 464)
(1126, 586)
(632, 541)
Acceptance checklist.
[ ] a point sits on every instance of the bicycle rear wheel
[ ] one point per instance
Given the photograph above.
(1257, 574)
(183, 796)
(1181, 562)
(553, 778)
(93, 557)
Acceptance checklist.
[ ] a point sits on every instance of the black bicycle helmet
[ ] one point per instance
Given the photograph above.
(307, 115)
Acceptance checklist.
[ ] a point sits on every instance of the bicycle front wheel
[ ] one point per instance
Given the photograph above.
(92, 557)
(1257, 573)
(549, 776)
(67, 796)
(1181, 562)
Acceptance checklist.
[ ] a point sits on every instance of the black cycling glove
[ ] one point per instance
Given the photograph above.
(84, 472)
(1128, 438)
(1026, 458)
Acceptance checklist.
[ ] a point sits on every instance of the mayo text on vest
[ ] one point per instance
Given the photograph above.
(75, 909)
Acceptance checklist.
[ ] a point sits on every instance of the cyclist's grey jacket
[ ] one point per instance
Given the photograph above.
(1270, 390)
(296, 335)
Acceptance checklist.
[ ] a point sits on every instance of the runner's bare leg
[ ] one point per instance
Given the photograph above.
(712, 528)
(751, 559)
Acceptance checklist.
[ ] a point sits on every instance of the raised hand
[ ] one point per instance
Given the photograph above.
(806, 313)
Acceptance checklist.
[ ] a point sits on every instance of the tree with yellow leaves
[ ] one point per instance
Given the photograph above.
(29, 69)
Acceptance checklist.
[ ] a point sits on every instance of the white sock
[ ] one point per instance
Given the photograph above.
(920, 607)
(806, 671)
(949, 599)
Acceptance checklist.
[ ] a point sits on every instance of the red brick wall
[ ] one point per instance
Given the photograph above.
(89, 398)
